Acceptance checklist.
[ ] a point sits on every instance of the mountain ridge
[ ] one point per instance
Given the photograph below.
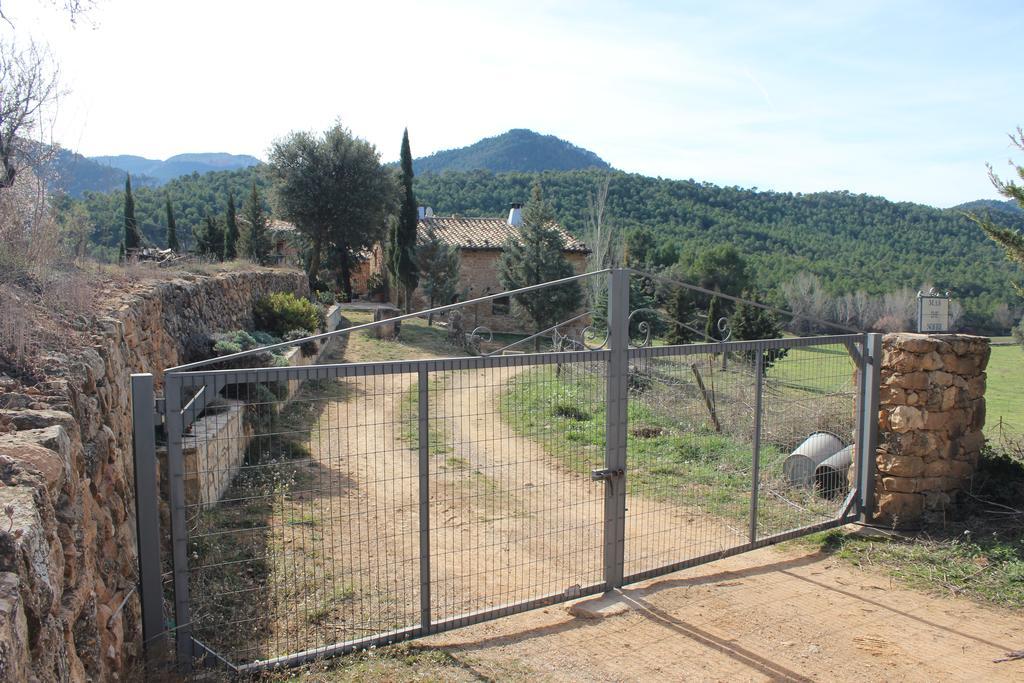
(177, 165)
(516, 150)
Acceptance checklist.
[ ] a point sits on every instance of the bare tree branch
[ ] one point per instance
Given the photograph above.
(29, 90)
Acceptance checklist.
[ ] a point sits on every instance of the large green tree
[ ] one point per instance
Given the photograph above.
(536, 257)
(439, 270)
(231, 231)
(172, 228)
(1010, 239)
(132, 237)
(402, 237)
(333, 187)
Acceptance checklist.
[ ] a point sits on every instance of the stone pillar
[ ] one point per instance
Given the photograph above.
(931, 412)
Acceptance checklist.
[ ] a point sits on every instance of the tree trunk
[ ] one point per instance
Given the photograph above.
(346, 273)
(314, 262)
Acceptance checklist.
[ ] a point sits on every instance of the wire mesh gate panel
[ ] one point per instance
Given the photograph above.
(322, 509)
(710, 428)
(381, 502)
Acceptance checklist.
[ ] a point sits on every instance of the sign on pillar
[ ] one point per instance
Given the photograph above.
(933, 311)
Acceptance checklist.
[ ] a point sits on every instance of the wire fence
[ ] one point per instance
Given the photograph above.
(322, 509)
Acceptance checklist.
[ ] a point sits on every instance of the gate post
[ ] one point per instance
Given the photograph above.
(616, 417)
(867, 443)
(147, 517)
(423, 470)
(179, 529)
(755, 484)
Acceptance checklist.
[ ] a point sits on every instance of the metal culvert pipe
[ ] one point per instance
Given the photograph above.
(799, 467)
(830, 475)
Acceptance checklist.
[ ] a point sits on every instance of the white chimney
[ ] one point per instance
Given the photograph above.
(515, 215)
(429, 213)
(421, 212)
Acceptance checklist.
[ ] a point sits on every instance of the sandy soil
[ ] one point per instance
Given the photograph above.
(509, 524)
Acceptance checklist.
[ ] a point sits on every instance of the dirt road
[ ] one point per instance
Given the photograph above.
(509, 523)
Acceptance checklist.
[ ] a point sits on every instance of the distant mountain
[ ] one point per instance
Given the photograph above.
(182, 164)
(998, 205)
(74, 174)
(517, 150)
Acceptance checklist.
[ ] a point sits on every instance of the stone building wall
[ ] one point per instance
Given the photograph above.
(931, 414)
(68, 566)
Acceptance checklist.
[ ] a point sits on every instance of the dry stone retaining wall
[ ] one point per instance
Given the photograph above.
(68, 566)
(931, 414)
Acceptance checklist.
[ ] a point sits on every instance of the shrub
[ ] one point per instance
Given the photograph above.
(264, 339)
(283, 311)
(224, 347)
(308, 348)
(377, 285)
(326, 297)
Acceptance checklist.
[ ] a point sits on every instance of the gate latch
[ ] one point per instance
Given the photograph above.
(606, 474)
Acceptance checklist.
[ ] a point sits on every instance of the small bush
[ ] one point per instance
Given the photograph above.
(264, 339)
(282, 311)
(224, 347)
(326, 297)
(308, 348)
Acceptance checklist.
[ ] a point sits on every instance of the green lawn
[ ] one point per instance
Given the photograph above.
(1004, 395)
(673, 452)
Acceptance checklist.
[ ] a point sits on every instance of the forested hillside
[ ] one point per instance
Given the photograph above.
(192, 196)
(852, 241)
(517, 150)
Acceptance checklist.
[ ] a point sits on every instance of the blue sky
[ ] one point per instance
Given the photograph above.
(902, 99)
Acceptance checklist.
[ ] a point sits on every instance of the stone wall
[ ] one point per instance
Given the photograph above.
(68, 567)
(214, 448)
(931, 413)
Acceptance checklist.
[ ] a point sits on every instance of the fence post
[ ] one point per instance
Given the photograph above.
(424, 481)
(867, 444)
(758, 398)
(179, 529)
(616, 417)
(147, 517)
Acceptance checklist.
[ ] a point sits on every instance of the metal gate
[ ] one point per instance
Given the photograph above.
(322, 509)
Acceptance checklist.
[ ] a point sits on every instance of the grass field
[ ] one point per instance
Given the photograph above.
(1004, 395)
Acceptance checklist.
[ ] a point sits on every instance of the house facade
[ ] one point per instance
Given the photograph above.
(480, 242)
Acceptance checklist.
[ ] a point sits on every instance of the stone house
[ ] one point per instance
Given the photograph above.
(480, 242)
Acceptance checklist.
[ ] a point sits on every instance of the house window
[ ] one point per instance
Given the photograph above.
(501, 306)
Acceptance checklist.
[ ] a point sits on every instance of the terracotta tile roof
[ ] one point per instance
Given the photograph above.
(465, 233)
(275, 225)
(483, 233)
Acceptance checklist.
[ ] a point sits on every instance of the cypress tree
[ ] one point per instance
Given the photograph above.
(211, 239)
(257, 241)
(132, 239)
(230, 251)
(403, 233)
(681, 310)
(715, 312)
(172, 228)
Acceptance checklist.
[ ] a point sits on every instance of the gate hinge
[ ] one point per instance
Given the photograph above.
(606, 474)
